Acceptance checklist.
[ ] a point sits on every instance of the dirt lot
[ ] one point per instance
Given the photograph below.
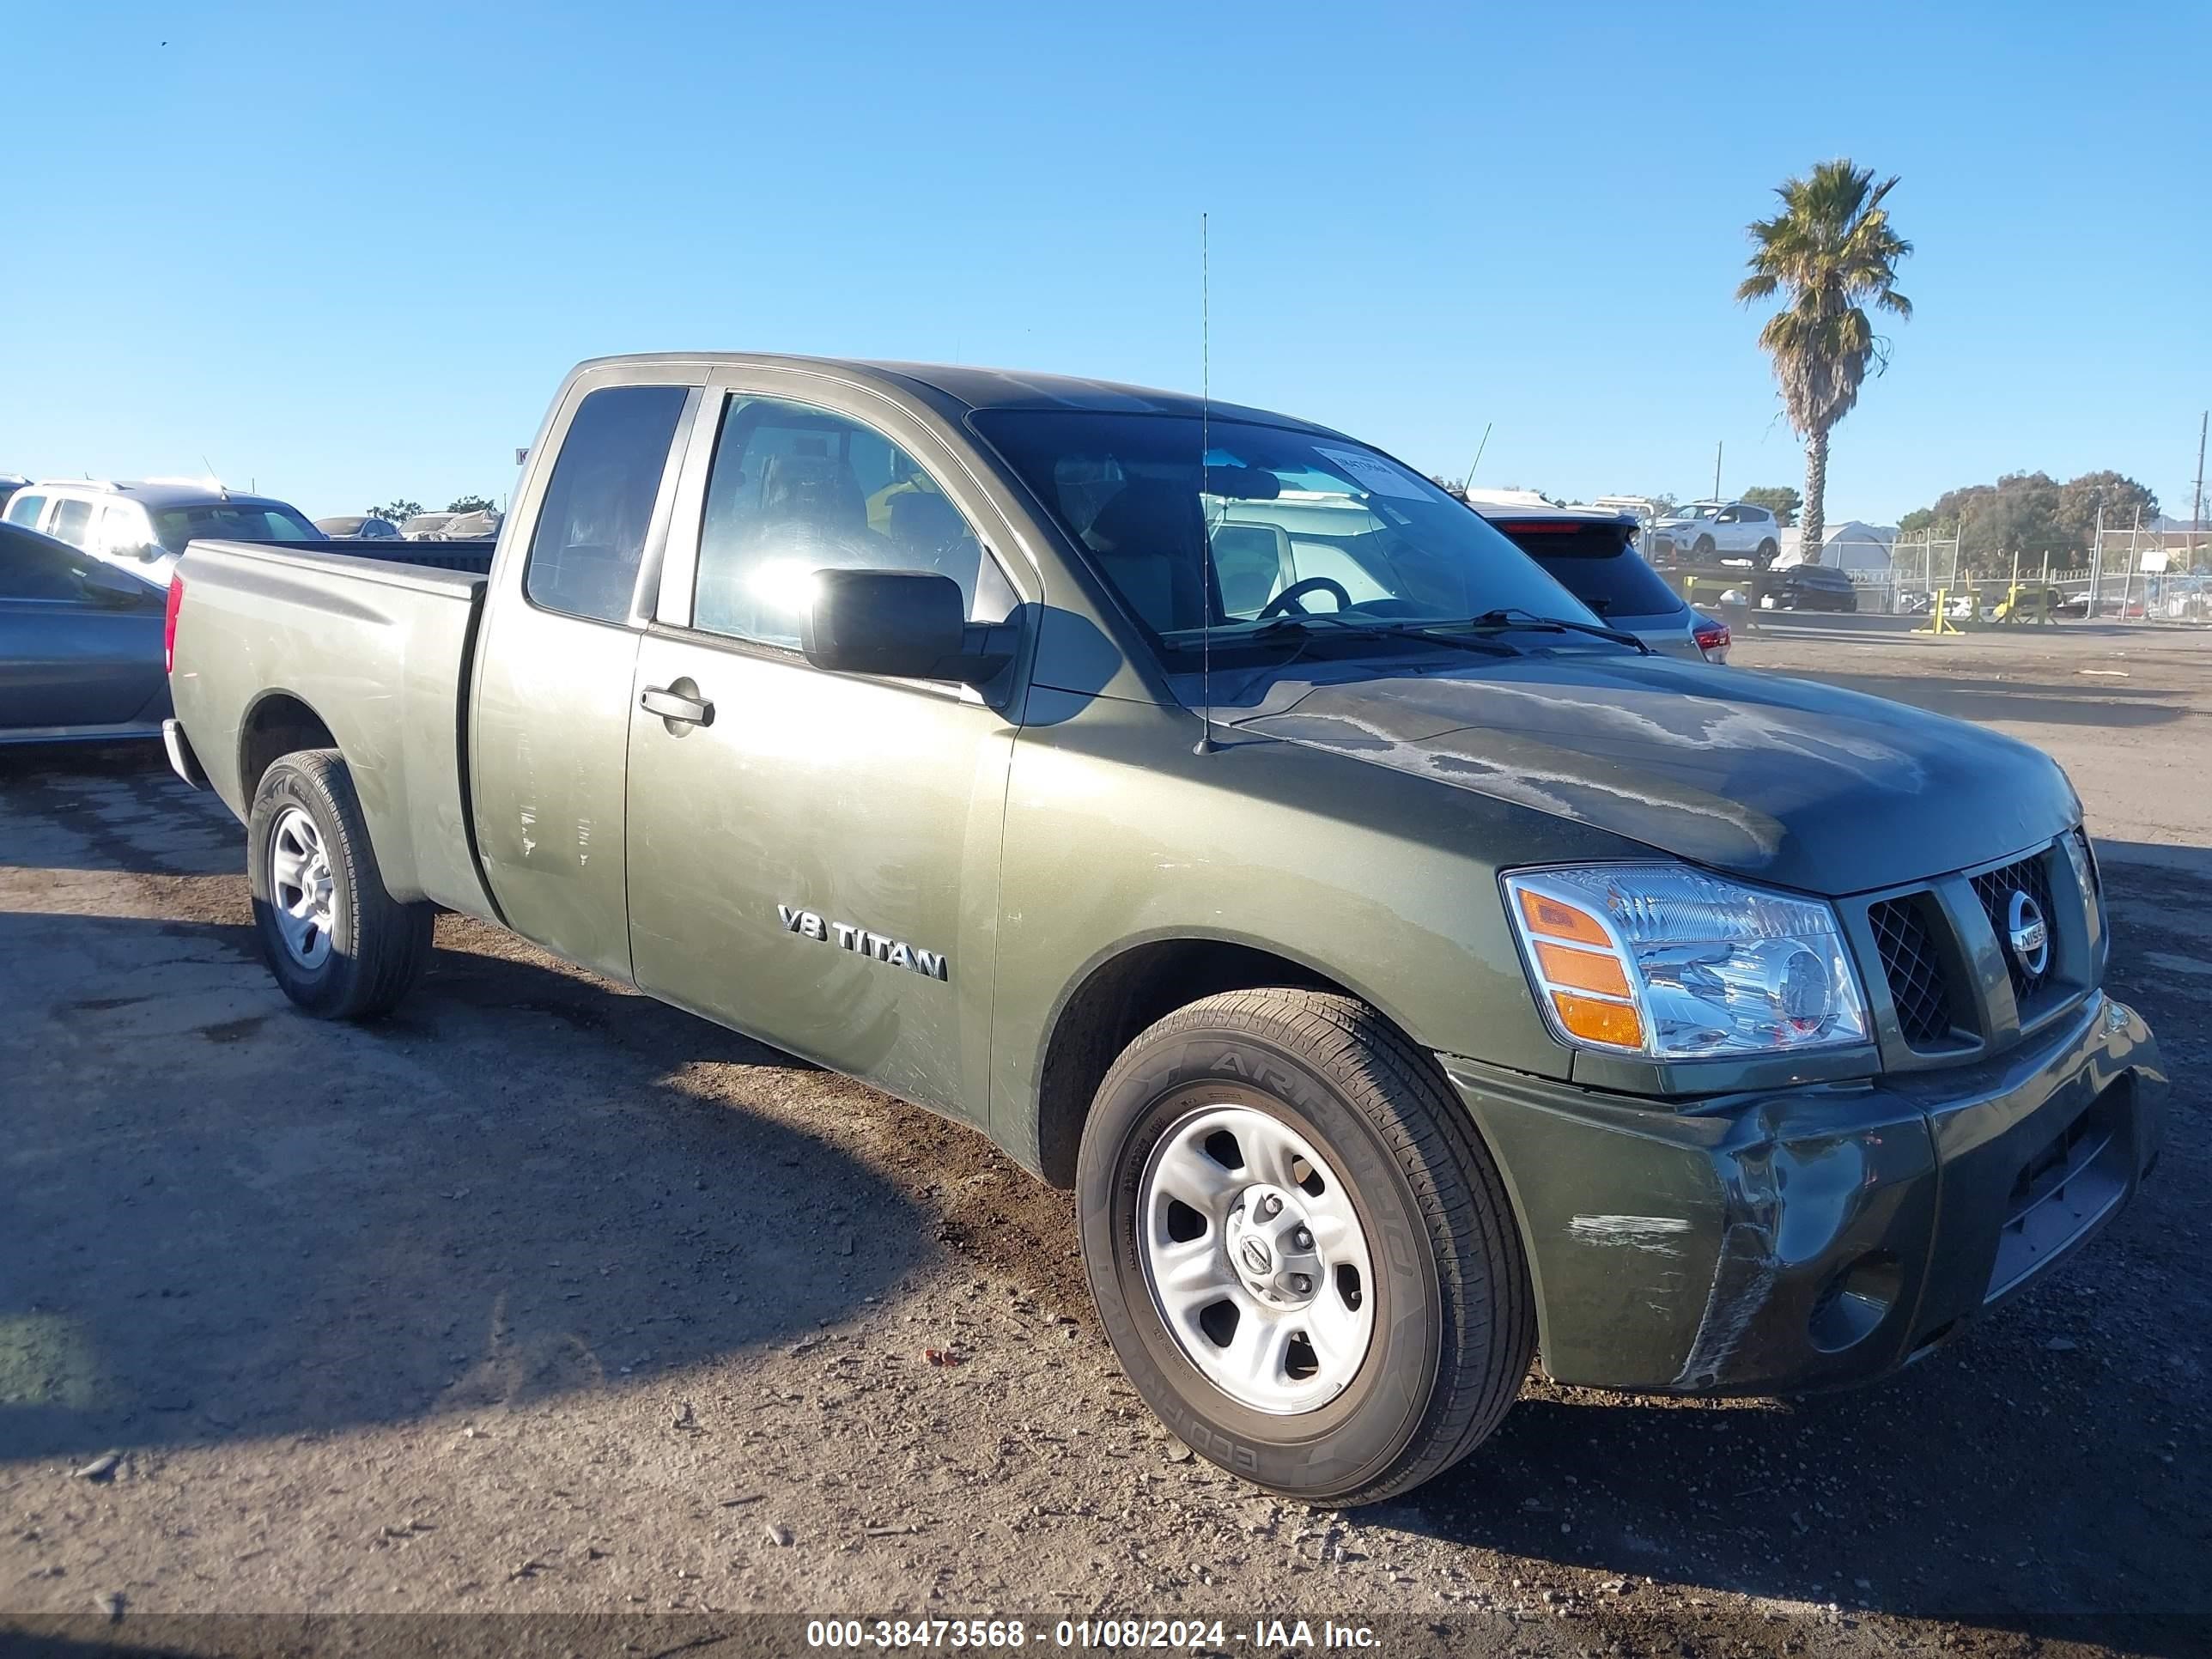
(542, 1298)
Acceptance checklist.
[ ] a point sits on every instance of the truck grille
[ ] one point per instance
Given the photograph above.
(1994, 888)
(1928, 939)
(1918, 983)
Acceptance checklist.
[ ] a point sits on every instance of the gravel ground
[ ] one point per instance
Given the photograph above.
(545, 1299)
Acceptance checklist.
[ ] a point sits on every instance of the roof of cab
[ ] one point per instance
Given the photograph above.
(958, 387)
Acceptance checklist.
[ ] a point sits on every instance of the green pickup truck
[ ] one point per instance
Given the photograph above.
(1409, 974)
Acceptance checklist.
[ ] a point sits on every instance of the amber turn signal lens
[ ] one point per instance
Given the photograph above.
(1562, 921)
(1581, 971)
(1615, 1024)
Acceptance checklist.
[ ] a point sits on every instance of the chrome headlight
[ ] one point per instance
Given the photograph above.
(1663, 960)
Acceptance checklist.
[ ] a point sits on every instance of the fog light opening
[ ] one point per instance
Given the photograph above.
(1854, 1303)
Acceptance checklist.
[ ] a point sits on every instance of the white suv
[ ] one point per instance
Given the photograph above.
(142, 526)
(1717, 530)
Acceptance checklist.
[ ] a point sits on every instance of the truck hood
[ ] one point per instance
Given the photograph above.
(1780, 781)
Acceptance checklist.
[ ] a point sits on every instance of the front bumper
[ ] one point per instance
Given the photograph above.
(1781, 1241)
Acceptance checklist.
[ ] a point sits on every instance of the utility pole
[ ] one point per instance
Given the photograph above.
(2196, 510)
(1723, 445)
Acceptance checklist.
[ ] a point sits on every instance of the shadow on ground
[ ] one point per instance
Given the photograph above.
(339, 1225)
(2083, 702)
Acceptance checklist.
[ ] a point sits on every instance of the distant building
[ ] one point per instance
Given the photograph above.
(1853, 544)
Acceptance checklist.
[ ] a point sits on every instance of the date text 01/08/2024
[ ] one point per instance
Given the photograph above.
(1264, 1635)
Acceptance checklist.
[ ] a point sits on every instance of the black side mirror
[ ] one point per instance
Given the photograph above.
(907, 624)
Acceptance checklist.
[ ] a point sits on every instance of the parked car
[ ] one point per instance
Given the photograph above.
(359, 527)
(80, 645)
(143, 524)
(1706, 530)
(1811, 587)
(1404, 970)
(1591, 553)
(424, 526)
(479, 525)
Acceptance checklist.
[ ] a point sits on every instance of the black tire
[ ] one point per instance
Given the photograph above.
(1453, 1323)
(378, 946)
(1704, 548)
(1766, 555)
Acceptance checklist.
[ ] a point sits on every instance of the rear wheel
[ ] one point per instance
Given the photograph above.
(1299, 1247)
(1766, 555)
(338, 943)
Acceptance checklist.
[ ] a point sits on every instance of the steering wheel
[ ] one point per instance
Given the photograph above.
(1282, 601)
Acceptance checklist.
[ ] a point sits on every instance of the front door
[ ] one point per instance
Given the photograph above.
(814, 857)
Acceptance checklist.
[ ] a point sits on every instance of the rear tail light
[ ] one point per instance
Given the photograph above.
(169, 625)
(1712, 636)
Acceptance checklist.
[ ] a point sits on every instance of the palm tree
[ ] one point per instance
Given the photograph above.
(1829, 250)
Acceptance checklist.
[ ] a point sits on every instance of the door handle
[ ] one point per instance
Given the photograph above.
(672, 705)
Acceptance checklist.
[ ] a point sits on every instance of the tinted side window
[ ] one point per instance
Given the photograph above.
(70, 519)
(24, 508)
(590, 532)
(33, 568)
(795, 489)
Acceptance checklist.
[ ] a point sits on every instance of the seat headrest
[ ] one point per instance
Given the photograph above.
(1150, 516)
(813, 487)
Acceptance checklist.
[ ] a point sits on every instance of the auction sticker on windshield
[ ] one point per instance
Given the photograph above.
(1381, 477)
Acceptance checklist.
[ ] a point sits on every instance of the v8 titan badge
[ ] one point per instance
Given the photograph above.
(850, 936)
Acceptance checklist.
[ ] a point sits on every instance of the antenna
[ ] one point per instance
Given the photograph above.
(1205, 745)
(1477, 461)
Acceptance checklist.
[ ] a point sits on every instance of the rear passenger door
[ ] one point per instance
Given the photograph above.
(548, 712)
(814, 857)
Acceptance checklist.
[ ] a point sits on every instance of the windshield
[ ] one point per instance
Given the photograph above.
(1294, 523)
(231, 521)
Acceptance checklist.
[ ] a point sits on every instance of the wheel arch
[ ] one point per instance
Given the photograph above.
(278, 723)
(1131, 984)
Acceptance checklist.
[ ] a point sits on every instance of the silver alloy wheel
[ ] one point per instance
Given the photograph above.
(300, 887)
(1255, 1260)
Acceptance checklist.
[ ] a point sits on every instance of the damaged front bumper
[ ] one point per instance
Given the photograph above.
(1779, 1241)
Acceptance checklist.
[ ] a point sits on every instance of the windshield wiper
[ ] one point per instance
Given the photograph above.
(1516, 617)
(1375, 628)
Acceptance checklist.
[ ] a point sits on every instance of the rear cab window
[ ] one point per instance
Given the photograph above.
(25, 508)
(1593, 561)
(590, 536)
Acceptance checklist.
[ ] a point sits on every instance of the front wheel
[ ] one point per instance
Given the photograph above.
(338, 944)
(1299, 1247)
(1705, 548)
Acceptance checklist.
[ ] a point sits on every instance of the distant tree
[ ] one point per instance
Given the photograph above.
(396, 512)
(1781, 500)
(1661, 505)
(2121, 497)
(1829, 253)
(469, 504)
(2030, 514)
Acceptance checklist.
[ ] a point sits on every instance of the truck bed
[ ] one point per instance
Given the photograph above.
(378, 650)
(472, 556)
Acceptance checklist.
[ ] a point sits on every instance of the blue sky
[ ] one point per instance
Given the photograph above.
(348, 252)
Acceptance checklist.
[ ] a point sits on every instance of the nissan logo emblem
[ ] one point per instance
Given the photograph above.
(1255, 1255)
(2028, 934)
